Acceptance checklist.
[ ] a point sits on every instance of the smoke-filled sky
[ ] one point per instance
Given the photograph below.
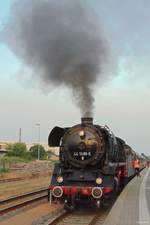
(61, 43)
(115, 50)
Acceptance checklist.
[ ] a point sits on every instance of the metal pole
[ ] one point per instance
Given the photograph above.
(20, 131)
(50, 197)
(38, 125)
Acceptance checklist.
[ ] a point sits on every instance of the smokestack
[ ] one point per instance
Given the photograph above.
(86, 120)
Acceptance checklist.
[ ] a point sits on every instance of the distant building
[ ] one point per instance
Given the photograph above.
(3, 152)
(3, 145)
(54, 150)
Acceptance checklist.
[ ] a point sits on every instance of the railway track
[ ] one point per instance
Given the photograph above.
(80, 217)
(19, 201)
(8, 180)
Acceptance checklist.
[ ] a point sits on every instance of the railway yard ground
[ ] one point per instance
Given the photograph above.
(31, 216)
(14, 188)
(25, 177)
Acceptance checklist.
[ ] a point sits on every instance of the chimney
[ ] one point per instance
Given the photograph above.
(86, 120)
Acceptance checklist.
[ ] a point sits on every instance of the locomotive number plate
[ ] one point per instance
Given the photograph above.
(82, 153)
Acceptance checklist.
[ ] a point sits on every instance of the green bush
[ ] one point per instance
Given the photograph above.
(6, 162)
(34, 152)
(4, 170)
(17, 150)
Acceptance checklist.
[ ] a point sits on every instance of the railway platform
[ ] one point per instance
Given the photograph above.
(133, 205)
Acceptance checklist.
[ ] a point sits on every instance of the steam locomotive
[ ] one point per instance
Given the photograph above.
(93, 164)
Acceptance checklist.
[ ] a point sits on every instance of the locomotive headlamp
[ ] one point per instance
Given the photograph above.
(99, 180)
(81, 133)
(60, 179)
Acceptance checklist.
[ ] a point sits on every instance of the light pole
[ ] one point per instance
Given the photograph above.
(20, 134)
(38, 125)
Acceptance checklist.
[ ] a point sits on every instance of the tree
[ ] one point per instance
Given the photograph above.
(16, 149)
(34, 152)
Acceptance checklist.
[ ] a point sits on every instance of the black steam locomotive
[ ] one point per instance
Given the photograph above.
(93, 164)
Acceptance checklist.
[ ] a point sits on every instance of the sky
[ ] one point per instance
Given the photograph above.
(122, 102)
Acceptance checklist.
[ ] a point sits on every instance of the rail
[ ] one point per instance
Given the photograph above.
(8, 180)
(79, 217)
(34, 176)
(19, 201)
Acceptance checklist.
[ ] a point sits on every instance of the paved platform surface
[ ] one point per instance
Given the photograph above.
(133, 205)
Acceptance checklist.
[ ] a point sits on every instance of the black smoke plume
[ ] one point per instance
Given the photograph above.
(61, 41)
